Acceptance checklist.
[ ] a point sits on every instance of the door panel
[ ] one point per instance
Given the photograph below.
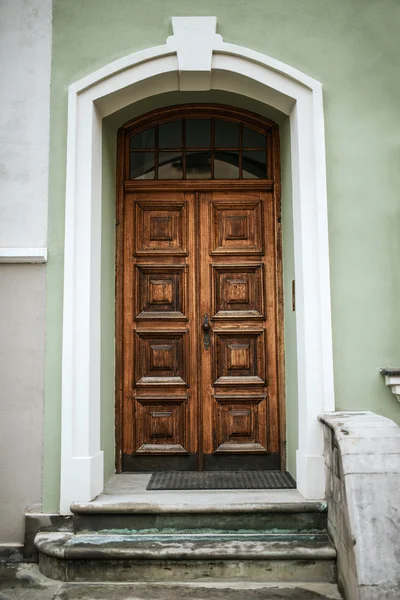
(237, 291)
(161, 358)
(239, 403)
(239, 357)
(161, 227)
(237, 226)
(241, 423)
(161, 292)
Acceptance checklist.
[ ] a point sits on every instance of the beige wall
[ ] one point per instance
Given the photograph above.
(22, 335)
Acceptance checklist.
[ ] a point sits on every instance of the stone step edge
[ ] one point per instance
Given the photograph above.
(56, 545)
(201, 535)
(130, 587)
(88, 508)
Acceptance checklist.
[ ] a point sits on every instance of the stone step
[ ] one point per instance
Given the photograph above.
(112, 556)
(136, 516)
(23, 581)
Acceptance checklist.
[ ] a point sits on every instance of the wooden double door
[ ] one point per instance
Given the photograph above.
(199, 357)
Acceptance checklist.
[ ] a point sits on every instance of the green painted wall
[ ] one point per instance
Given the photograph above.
(352, 48)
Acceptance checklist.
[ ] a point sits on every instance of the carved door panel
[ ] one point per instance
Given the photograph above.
(238, 370)
(159, 421)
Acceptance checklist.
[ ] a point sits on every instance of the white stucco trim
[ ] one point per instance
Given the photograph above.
(194, 58)
(23, 255)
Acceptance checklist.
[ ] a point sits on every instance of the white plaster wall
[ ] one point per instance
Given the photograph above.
(25, 61)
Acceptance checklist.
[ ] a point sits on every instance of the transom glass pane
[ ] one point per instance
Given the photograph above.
(226, 134)
(142, 165)
(226, 165)
(254, 164)
(198, 165)
(144, 139)
(170, 165)
(170, 134)
(253, 139)
(198, 133)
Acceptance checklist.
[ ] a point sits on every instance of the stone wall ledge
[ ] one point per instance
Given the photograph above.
(362, 458)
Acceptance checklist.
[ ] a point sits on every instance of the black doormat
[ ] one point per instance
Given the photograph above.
(221, 480)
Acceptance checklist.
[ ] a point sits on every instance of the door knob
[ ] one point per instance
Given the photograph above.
(206, 330)
(206, 323)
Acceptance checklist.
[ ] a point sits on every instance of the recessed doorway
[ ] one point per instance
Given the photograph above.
(199, 292)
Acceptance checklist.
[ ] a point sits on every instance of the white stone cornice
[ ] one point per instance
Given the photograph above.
(23, 255)
(392, 380)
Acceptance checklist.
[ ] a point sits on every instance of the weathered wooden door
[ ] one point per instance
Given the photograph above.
(198, 294)
(200, 333)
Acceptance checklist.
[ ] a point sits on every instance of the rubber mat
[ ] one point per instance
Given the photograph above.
(221, 480)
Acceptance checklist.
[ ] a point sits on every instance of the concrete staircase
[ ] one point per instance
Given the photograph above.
(132, 542)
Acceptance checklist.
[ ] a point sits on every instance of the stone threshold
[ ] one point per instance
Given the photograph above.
(126, 493)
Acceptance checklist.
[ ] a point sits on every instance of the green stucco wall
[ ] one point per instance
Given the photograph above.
(351, 46)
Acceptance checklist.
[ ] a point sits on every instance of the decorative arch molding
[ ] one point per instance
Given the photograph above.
(194, 58)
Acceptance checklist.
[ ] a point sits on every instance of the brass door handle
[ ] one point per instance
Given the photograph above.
(206, 330)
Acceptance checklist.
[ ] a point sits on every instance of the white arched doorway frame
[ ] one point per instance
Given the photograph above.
(194, 58)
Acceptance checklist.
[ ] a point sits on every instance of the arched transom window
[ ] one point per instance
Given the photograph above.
(195, 143)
